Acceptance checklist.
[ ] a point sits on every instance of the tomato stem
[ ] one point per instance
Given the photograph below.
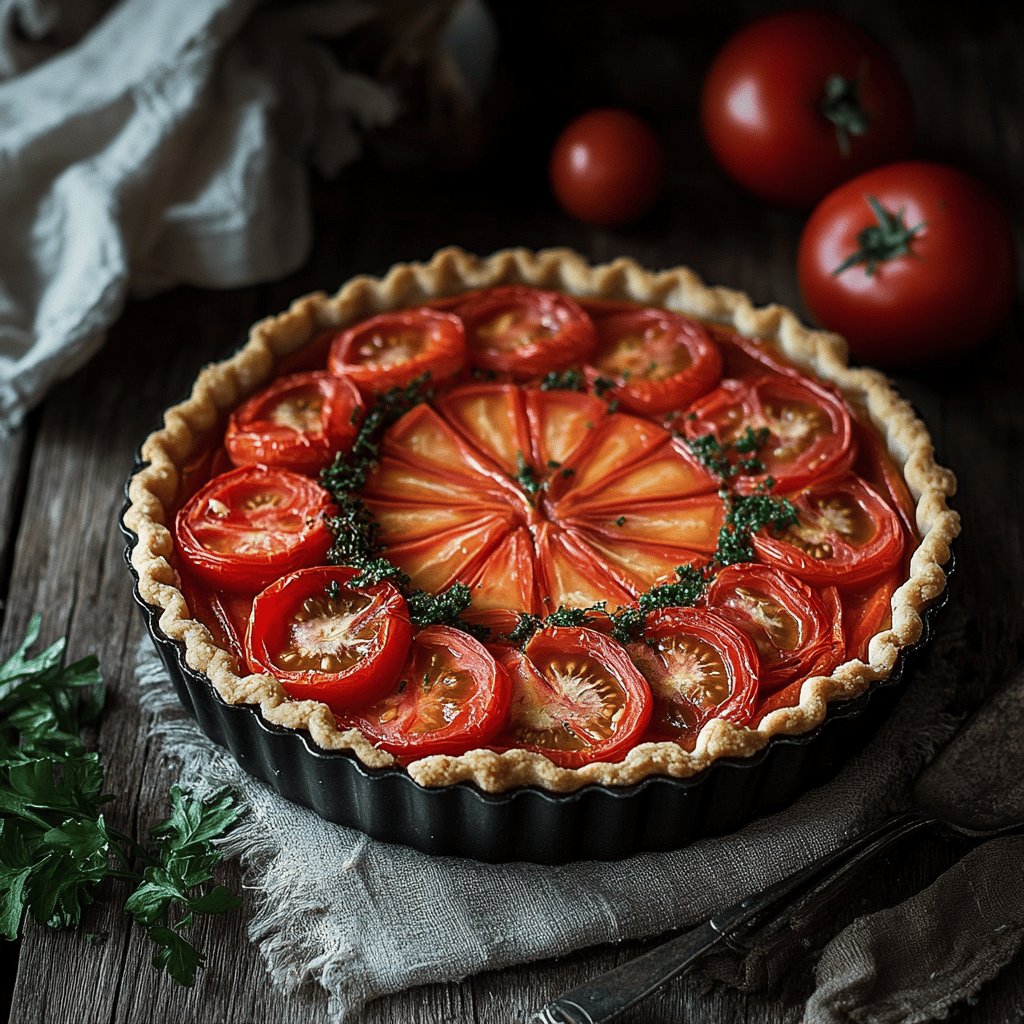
(841, 105)
(886, 240)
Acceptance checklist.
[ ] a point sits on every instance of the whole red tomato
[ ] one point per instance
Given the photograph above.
(911, 262)
(607, 168)
(797, 103)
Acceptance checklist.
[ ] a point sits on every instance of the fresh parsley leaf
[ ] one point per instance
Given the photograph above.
(55, 844)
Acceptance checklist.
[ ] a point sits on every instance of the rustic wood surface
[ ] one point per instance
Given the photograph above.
(60, 552)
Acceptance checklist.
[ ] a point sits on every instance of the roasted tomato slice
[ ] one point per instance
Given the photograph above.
(252, 525)
(327, 641)
(846, 535)
(451, 696)
(390, 350)
(526, 332)
(576, 697)
(809, 429)
(867, 611)
(298, 423)
(224, 613)
(659, 361)
(746, 358)
(699, 666)
(795, 634)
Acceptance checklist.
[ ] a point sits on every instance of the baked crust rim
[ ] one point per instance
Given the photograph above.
(153, 490)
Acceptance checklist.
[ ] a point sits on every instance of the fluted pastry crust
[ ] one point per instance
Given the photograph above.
(153, 493)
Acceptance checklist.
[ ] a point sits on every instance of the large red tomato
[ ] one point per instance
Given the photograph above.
(910, 262)
(607, 168)
(798, 102)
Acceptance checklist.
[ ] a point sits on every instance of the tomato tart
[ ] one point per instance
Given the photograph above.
(520, 521)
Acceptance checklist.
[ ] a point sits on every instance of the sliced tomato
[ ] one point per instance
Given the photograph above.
(636, 566)
(451, 696)
(616, 443)
(506, 579)
(390, 350)
(686, 524)
(666, 471)
(435, 562)
(526, 332)
(560, 423)
(658, 361)
(791, 627)
(748, 358)
(699, 666)
(576, 697)
(491, 419)
(423, 438)
(875, 465)
(809, 428)
(252, 525)
(298, 423)
(326, 641)
(868, 610)
(224, 613)
(572, 574)
(846, 535)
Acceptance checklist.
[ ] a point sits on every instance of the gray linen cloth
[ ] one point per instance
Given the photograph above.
(149, 143)
(375, 918)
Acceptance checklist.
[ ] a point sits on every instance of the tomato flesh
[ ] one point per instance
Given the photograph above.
(539, 498)
(659, 361)
(251, 525)
(846, 534)
(393, 349)
(576, 697)
(298, 423)
(327, 641)
(793, 631)
(698, 666)
(525, 332)
(809, 431)
(451, 696)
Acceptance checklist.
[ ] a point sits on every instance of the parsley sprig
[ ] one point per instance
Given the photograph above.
(56, 845)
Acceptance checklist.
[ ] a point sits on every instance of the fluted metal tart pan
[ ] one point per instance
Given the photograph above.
(528, 823)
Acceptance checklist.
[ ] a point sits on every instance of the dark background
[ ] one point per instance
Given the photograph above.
(415, 191)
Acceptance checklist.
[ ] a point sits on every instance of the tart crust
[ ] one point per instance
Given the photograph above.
(188, 426)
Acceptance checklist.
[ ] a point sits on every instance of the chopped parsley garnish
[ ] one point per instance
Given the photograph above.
(564, 380)
(525, 476)
(621, 521)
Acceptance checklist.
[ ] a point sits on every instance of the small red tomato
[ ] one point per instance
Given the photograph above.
(911, 263)
(796, 103)
(607, 168)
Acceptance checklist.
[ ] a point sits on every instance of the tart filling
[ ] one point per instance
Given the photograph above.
(684, 523)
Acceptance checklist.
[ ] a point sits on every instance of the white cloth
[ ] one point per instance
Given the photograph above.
(166, 145)
(376, 918)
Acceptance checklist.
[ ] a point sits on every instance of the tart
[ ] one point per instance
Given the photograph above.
(520, 521)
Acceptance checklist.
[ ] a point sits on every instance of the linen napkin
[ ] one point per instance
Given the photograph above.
(377, 918)
(149, 143)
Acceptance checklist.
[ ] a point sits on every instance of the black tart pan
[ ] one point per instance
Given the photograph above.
(527, 823)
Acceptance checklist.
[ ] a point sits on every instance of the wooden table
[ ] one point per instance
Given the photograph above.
(60, 552)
